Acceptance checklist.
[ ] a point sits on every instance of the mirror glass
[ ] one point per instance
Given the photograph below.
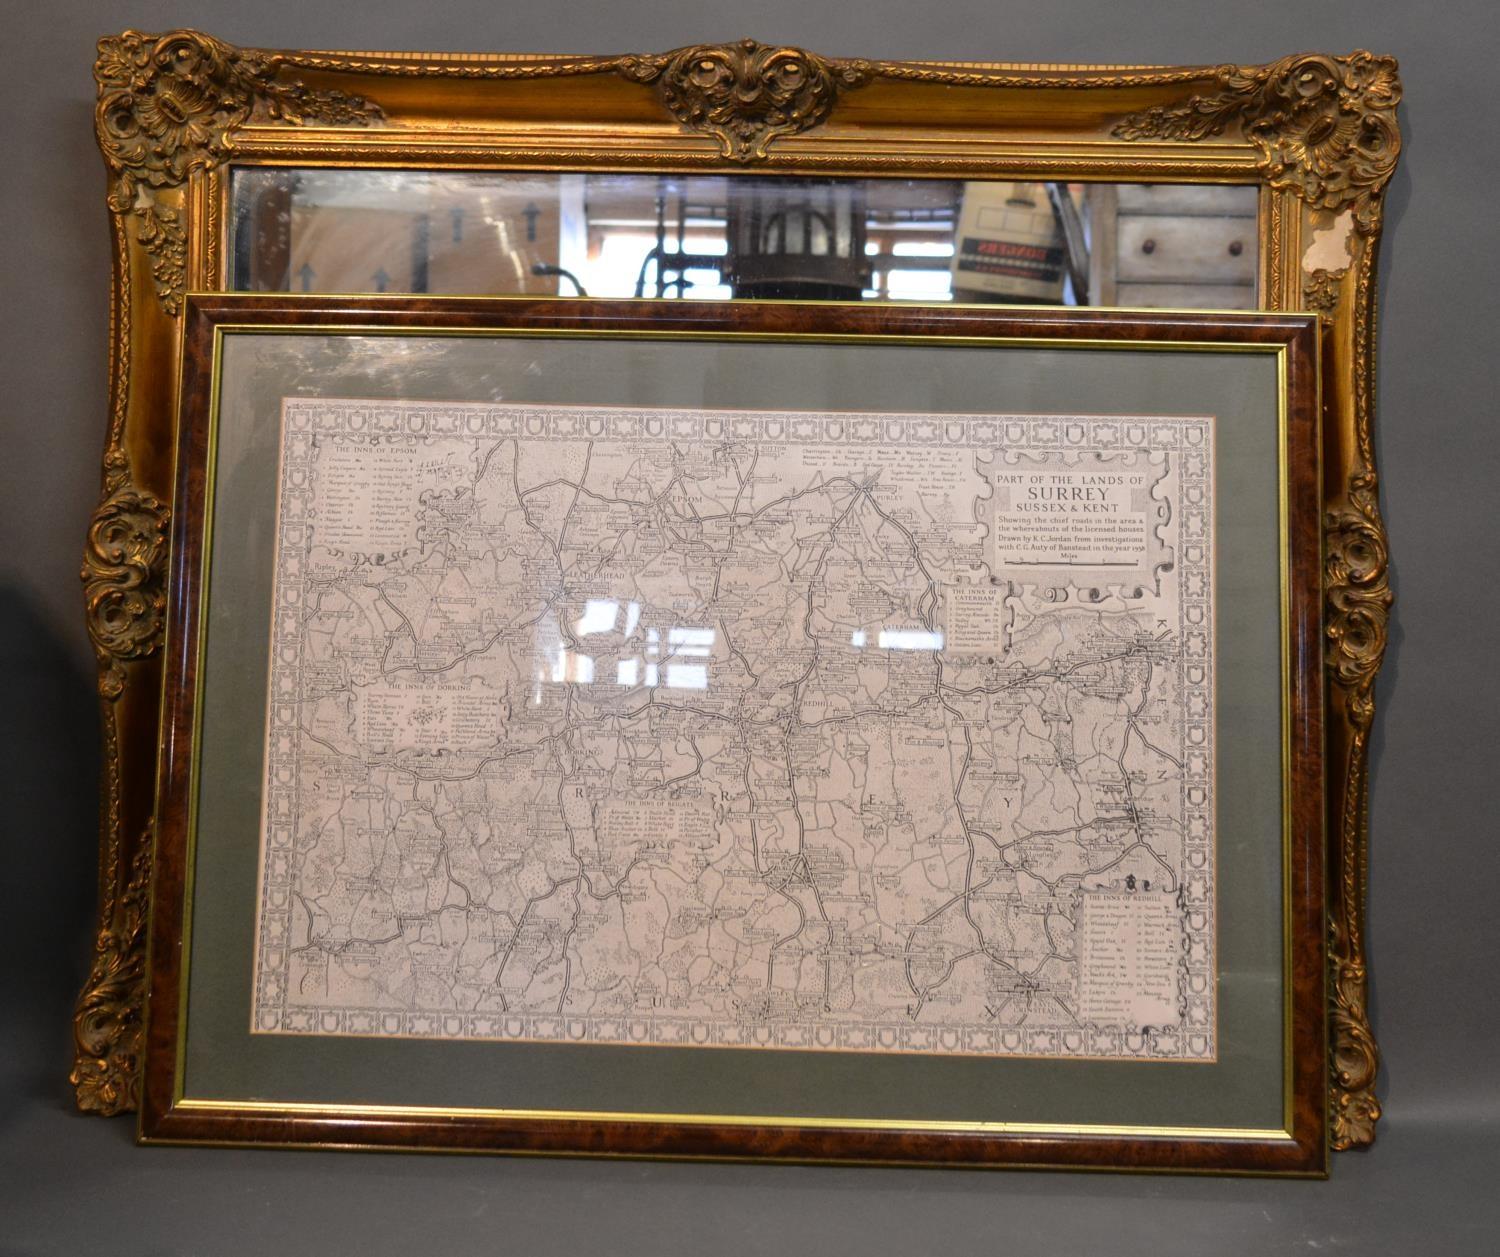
(712, 237)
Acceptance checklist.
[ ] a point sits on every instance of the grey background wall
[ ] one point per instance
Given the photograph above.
(68, 1182)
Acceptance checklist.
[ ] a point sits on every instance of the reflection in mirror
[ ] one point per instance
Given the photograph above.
(743, 236)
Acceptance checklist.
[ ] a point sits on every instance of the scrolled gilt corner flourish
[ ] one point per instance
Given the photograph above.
(1356, 577)
(108, 1021)
(1325, 126)
(746, 94)
(168, 107)
(124, 574)
(1353, 1108)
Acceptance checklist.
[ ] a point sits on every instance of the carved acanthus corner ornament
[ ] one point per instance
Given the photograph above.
(746, 94)
(168, 107)
(108, 1021)
(1325, 126)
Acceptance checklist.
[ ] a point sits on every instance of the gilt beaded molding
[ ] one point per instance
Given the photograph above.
(1318, 133)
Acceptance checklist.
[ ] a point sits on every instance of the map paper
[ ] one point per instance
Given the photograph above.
(797, 730)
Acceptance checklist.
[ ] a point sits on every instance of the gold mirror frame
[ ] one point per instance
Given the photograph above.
(1317, 134)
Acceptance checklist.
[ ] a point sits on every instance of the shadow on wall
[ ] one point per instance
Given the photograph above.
(49, 776)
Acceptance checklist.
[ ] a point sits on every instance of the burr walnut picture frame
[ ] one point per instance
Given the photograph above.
(768, 730)
(231, 168)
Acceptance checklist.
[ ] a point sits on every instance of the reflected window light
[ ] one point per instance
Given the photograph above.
(571, 667)
(857, 638)
(632, 617)
(548, 656)
(599, 616)
(691, 641)
(612, 272)
(922, 249)
(704, 285)
(687, 676)
(904, 285)
(628, 673)
(909, 639)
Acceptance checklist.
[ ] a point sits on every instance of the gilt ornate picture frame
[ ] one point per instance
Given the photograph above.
(188, 123)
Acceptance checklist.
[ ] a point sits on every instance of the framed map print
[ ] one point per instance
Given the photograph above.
(744, 730)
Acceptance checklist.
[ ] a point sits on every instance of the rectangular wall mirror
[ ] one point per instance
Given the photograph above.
(722, 237)
(734, 171)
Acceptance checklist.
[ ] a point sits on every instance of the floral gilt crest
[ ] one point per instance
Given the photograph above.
(746, 94)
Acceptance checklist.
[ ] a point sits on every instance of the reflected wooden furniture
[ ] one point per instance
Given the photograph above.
(1171, 246)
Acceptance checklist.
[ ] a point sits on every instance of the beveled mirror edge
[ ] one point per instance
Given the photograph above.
(1317, 133)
